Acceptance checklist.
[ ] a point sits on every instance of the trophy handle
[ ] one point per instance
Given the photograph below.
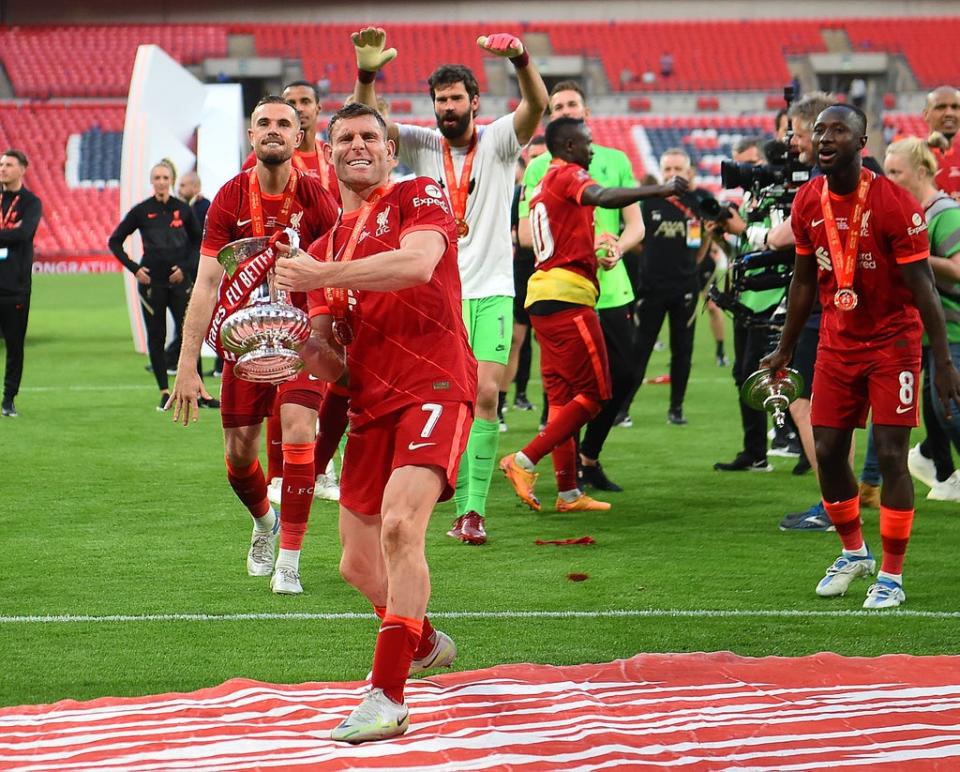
(279, 295)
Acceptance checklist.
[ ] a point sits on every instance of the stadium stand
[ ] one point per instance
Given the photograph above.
(712, 56)
(95, 61)
(69, 70)
(76, 220)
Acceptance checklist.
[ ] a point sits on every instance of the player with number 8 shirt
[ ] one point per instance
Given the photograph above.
(863, 240)
(561, 296)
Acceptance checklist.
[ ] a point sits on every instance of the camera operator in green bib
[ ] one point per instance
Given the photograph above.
(751, 341)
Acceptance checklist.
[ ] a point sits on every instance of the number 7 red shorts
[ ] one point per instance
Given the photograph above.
(429, 434)
(888, 384)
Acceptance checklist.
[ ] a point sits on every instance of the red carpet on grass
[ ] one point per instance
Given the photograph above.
(688, 711)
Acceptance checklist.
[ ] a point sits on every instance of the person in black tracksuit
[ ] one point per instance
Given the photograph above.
(669, 282)
(20, 212)
(171, 236)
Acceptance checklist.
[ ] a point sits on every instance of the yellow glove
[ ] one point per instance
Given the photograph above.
(368, 44)
(501, 44)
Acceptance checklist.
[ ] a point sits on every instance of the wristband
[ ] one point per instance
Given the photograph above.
(366, 76)
(520, 61)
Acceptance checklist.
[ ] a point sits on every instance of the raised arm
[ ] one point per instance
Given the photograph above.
(372, 56)
(533, 92)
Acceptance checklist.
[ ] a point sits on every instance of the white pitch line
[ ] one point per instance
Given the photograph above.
(609, 614)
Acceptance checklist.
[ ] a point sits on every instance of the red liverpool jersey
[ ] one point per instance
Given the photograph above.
(410, 345)
(562, 229)
(313, 213)
(893, 232)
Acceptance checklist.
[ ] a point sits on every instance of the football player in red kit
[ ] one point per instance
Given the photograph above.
(862, 239)
(258, 202)
(561, 296)
(388, 290)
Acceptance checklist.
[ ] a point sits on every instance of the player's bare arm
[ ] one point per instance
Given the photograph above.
(187, 385)
(919, 278)
(633, 228)
(803, 291)
(398, 269)
(533, 92)
(781, 236)
(617, 198)
(946, 267)
(369, 44)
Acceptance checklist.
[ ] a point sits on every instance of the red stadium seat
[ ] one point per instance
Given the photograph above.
(639, 104)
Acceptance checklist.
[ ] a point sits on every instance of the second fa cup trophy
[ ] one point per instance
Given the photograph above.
(772, 391)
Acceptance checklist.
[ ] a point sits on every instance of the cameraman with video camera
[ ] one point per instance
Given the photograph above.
(751, 337)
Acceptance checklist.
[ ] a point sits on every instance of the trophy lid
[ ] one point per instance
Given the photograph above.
(236, 252)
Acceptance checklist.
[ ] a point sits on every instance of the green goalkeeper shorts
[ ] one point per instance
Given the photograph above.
(489, 323)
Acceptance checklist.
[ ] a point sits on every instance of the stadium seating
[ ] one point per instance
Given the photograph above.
(713, 56)
(75, 220)
(95, 61)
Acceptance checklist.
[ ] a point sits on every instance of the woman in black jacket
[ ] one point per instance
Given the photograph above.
(171, 236)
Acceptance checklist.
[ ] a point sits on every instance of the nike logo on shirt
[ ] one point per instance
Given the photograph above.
(815, 223)
(241, 223)
(901, 409)
(416, 445)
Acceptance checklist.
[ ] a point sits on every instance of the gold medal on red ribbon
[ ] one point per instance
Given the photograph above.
(458, 190)
(338, 297)
(844, 260)
(845, 299)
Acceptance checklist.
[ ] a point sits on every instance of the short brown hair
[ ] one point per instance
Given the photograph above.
(355, 110)
(273, 99)
(569, 85)
(19, 155)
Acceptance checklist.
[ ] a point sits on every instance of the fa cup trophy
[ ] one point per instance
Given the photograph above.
(772, 391)
(265, 334)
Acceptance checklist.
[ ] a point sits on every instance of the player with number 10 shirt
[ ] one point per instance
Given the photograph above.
(561, 296)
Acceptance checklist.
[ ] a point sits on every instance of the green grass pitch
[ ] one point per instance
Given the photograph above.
(107, 508)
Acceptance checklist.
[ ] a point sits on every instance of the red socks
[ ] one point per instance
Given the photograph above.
(426, 634)
(396, 643)
(845, 516)
(895, 525)
(564, 457)
(250, 486)
(562, 425)
(426, 640)
(298, 482)
(274, 445)
(333, 423)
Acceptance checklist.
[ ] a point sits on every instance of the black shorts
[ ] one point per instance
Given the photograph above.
(524, 267)
(805, 357)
